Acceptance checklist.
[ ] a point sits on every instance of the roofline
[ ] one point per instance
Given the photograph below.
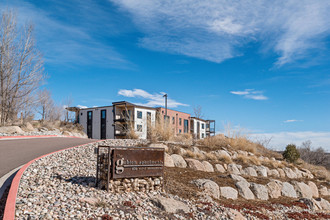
(198, 119)
(173, 110)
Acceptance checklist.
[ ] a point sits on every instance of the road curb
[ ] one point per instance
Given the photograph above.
(34, 136)
(9, 212)
(6, 179)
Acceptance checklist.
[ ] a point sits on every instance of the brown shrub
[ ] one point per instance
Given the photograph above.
(225, 159)
(319, 172)
(211, 156)
(160, 131)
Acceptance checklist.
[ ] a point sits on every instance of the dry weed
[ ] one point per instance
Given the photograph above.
(248, 160)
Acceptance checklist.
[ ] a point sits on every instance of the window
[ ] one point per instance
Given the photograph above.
(202, 126)
(180, 121)
(139, 128)
(173, 120)
(103, 114)
(185, 124)
(202, 135)
(139, 114)
(180, 131)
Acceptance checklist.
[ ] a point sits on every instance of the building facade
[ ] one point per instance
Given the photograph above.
(179, 121)
(115, 122)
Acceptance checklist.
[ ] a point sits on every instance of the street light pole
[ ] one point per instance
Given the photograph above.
(165, 105)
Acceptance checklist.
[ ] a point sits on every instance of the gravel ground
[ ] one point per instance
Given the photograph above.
(61, 186)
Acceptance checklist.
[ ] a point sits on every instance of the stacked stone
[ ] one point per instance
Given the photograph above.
(134, 184)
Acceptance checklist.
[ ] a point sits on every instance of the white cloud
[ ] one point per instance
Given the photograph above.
(215, 30)
(291, 120)
(82, 106)
(152, 99)
(250, 94)
(279, 140)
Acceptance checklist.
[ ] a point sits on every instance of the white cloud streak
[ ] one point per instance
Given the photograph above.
(279, 140)
(216, 30)
(67, 43)
(153, 100)
(250, 94)
(291, 120)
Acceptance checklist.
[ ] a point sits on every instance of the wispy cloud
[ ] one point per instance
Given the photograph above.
(63, 41)
(279, 140)
(152, 100)
(291, 120)
(82, 106)
(216, 30)
(250, 94)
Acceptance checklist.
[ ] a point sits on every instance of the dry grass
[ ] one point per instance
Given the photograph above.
(272, 164)
(247, 160)
(225, 159)
(191, 154)
(160, 131)
(185, 139)
(319, 172)
(210, 156)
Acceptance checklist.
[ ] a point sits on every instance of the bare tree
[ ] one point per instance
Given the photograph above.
(198, 113)
(45, 103)
(68, 103)
(21, 66)
(317, 156)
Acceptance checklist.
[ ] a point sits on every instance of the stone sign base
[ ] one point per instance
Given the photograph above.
(134, 184)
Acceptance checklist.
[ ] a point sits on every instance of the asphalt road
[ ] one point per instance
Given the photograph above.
(16, 152)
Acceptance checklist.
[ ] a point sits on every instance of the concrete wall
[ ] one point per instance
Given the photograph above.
(97, 121)
(143, 121)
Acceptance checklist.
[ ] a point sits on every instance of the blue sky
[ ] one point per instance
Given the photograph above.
(260, 65)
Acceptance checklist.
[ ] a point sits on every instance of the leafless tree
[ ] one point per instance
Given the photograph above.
(198, 113)
(317, 156)
(21, 66)
(68, 103)
(45, 103)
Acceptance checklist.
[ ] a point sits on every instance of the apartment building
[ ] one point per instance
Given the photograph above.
(113, 122)
(179, 121)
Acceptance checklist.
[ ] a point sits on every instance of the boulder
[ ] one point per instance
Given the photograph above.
(220, 168)
(314, 189)
(196, 150)
(195, 164)
(321, 204)
(67, 133)
(159, 145)
(281, 172)
(11, 130)
(234, 155)
(244, 153)
(225, 166)
(260, 191)
(298, 172)
(209, 187)
(273, 172)
(178, 161)
(28, 126)
(261, 170)
(232, 168)
(168, 161)
(170, 205)
(207, 166)
(250, 171)
(306, 173)
(228, 193)
(244, 190)
(288, 190)
(324, 191)
(182, 151)
(274, 189)
(237, 178)
(289, 173)
(222, 153)
(303, 190)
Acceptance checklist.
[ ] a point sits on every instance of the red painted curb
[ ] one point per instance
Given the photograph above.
(9, 213)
